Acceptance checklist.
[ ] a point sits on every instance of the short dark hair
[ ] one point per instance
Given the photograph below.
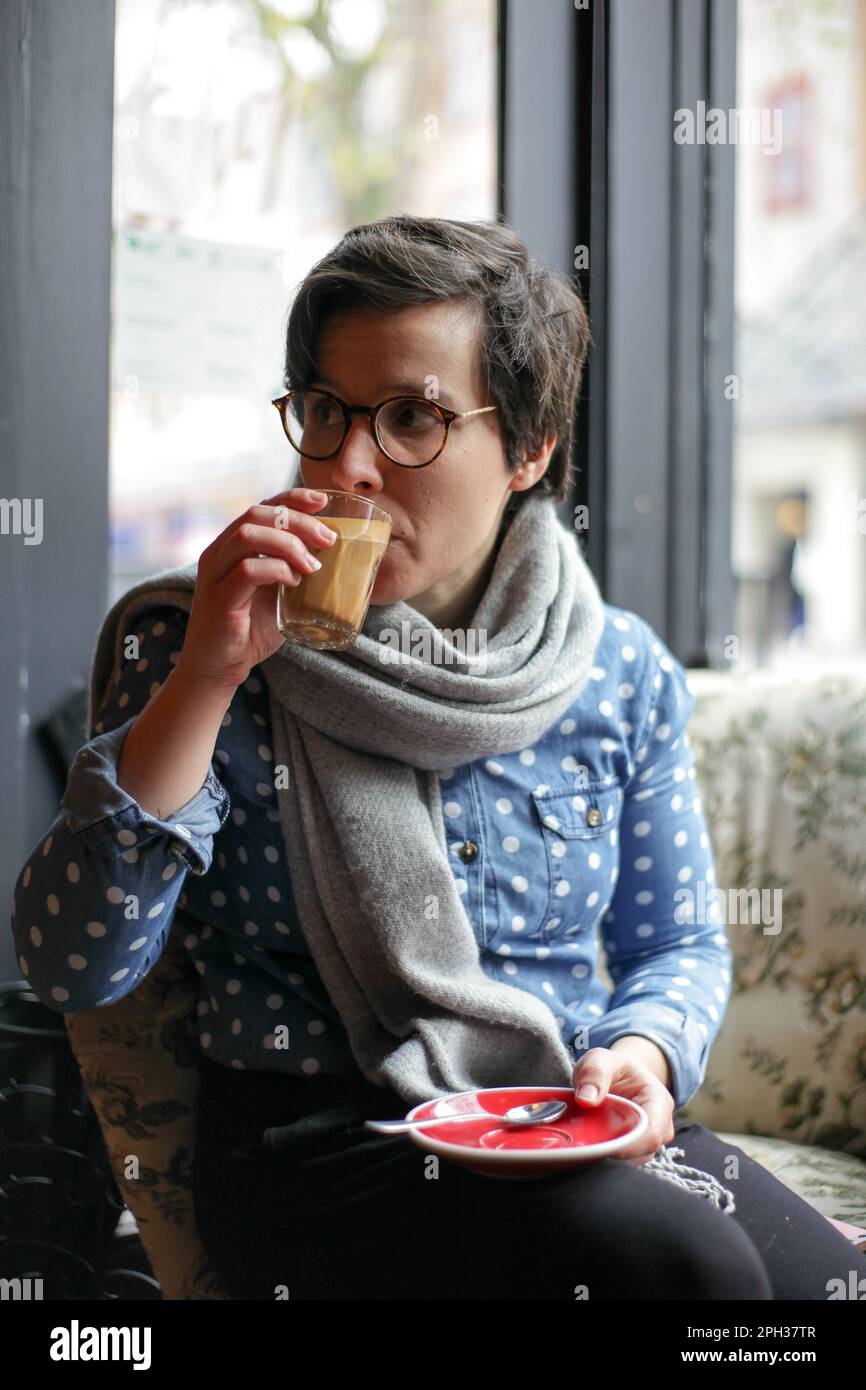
(534, 327)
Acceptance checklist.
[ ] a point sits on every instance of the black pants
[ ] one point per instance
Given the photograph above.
(334, 1211)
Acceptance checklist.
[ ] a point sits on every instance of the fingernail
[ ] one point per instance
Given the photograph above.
(587, 1092)
(317, 496)
(317, 564)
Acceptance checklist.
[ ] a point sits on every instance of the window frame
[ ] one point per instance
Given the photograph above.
(653, 453)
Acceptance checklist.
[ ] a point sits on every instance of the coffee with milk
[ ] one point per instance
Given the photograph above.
(327, 609)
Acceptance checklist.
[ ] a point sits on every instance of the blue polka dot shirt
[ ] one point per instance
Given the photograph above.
(593, 838)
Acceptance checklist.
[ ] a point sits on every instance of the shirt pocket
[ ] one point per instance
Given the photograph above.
(581, 838)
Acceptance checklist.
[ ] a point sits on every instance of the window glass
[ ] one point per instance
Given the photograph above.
(799, 531)
(248, 138)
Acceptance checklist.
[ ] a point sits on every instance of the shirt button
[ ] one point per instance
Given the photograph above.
(593, 816)
(467, 851)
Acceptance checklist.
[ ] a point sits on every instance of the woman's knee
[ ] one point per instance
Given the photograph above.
(641, 1243)
(710, 1259)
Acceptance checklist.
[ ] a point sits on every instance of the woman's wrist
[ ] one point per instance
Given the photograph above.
(649, 1053)
(211, 694)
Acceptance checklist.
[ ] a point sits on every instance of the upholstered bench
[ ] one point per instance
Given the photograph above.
(781, 765)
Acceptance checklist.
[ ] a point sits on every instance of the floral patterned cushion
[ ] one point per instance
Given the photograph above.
(781, 764)
(782, 774)
(832, 1182)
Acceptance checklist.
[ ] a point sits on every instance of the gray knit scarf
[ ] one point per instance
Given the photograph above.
(361, 740)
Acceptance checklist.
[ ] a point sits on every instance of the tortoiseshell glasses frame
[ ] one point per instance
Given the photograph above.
(446, 416)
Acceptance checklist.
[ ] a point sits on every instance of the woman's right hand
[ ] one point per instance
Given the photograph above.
(232, 625)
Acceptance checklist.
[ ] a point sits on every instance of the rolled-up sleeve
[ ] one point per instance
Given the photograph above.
(109, 820)
(667, 953)
(94, 902)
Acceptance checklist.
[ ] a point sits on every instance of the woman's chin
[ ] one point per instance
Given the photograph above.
(385, 593)
(388, 587)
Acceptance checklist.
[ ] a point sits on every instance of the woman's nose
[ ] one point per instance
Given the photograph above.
(360, 458)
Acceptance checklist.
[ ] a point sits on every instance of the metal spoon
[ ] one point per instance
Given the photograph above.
(537, 1112)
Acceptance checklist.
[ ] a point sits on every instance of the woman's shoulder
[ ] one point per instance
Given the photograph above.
(637, 695)
(630, 652)
(151, 648)
(163, 622)
(159, 637)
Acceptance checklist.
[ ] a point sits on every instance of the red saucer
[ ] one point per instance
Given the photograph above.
(582, 1134)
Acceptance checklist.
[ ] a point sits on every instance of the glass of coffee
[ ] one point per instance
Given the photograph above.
(327, 609)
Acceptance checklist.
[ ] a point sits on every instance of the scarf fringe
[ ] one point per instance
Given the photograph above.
(662, 1165)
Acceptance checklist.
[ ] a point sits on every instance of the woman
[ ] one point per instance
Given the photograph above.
(395, 875)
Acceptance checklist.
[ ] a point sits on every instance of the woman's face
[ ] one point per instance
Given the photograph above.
(445, 516)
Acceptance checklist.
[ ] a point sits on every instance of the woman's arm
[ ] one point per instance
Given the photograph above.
(182, 720)
(668, 958)
(96, 899)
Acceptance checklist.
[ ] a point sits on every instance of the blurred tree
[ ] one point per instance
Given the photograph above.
(370, 169)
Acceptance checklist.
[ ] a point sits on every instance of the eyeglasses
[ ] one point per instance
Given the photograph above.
(410, 430)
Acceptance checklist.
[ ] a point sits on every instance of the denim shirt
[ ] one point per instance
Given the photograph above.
(588, 838)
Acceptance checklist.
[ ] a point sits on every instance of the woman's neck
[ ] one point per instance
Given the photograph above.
(453, 601)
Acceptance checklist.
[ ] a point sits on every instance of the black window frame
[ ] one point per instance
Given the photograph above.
(587, 157)
(57, 118)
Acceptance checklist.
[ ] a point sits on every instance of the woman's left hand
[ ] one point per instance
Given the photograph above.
(626, 1076)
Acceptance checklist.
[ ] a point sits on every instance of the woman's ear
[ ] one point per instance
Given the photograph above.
(534, 466)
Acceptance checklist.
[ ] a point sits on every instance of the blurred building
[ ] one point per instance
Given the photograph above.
(800, 415)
